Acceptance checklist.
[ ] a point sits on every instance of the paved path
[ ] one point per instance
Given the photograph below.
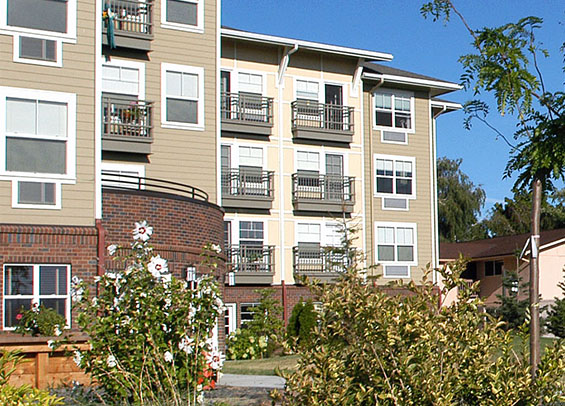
(252, 381)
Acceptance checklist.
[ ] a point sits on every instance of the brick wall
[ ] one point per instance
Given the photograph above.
(28, 244)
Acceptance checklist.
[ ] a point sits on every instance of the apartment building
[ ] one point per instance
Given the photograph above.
(108, 115)
(312, 135)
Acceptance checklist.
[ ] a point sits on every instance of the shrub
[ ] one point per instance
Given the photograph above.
(555, 321)
(371, 348)
(40, 320)
(302, 321)
(150, 334)
(259, 337)
(511, 309)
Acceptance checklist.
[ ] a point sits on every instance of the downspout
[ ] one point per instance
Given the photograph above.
(433, 165)
(280, 82)
(101, 249)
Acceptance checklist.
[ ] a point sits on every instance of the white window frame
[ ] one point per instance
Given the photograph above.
(15, 196)
(234, 153)
(115, 167)
(384, 264)
(42, 95)
(393, 93)
(198, 28)
(58, 63)
(313, 80)
(235, 84)
(140, 66)
(165, 67)
(324, 227)
(235, 227)
(35, 297)
(394, 159)
(322, 153)
(70, 36)
(251, 305)
(231, 310)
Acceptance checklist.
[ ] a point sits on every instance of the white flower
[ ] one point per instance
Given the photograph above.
(168, 302)
(186, 345)
(51, 344)
(216, 248)
(57, 331)
(200, 397)
(111, 361)
(77, 358)
(157, 266)
(112, 249)
(191, 313)
(165, 328)
(214, 359)
(142, 231)
(76, 289)
(168, 356)
(96, 279)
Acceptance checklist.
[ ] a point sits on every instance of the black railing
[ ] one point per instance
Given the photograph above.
(112, 180)
(247, 182)
(121, 118)
(247, 107)
(312, 115)
(250, 258)
(131, 16)
(328, 188)
(319, 259)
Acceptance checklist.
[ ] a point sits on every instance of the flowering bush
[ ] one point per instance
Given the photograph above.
(150, 332)
(40, 320)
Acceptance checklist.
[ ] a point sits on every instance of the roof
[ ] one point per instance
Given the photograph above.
(399, 76)
(496, 247)
(228, 32)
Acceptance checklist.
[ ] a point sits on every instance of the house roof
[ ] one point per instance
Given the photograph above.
(398, 76)
(496, 247)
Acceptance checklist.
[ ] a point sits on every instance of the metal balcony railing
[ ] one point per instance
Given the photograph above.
(323, 188)
(250, 258)
(127, 119)
(319, 259)
(247, 107)
(116, 180)
(247, 182)
(131, 16)
(308, 114)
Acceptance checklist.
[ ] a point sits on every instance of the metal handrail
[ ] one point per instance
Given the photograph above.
(313, 115)
(319, 259)
(250, 258)
(331, 188)
(247, 182)
(128, 182)
(247, 107)
(132, 16)
(127, 119)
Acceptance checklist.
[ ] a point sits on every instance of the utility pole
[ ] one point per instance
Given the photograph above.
(534, 277)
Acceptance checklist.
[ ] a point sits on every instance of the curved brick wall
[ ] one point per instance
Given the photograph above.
(181, 226)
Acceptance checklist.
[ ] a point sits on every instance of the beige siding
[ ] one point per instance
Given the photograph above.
(420, 209)
(76, 77)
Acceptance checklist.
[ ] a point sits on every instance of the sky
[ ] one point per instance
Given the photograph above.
(422, 46)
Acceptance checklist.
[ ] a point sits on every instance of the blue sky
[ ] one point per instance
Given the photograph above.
(422, 46)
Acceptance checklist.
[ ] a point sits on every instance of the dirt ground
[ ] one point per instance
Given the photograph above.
(232, 396)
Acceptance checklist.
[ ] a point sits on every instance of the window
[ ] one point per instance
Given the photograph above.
(124, 78)
(38, 133)
(493, 268)
(307, 90)
(182, 100)
(251, 233)
(185, 15)
(309, 233)
(393, 110)
(47, 17)
(396, 248)
(123, 176)
(37, 50)
(24, 285)
(251, 156)
(246, 312)
(230, 322)
(308, 161)
(33, 194)
(394, 176)
(250, 83)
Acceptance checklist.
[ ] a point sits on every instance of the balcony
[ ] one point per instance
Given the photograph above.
(325, 264)
(322, 122)
(325, 193)
(251, 264)
(130, 22)
(246, 114)
(127, 126)
(247, 188)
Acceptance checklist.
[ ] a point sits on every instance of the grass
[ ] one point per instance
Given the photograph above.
(261, 366)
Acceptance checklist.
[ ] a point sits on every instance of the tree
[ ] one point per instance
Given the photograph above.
(556, 315)
(459, 202)
(373, 348)
(511, 309)
(505, 65)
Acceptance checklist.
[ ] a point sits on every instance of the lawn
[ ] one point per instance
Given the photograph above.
(260, 366)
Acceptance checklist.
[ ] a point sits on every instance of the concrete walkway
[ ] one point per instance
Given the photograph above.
(252, 381)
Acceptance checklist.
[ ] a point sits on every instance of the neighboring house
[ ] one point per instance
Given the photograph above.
(492, 258)
(301, 151)
(94, 138)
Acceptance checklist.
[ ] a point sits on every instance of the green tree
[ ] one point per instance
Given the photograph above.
(511, 309)
(555, 321)
(301, 322)
(459, 202)
(505, 64)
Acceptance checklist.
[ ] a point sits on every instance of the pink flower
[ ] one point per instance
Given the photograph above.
(19, 316)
